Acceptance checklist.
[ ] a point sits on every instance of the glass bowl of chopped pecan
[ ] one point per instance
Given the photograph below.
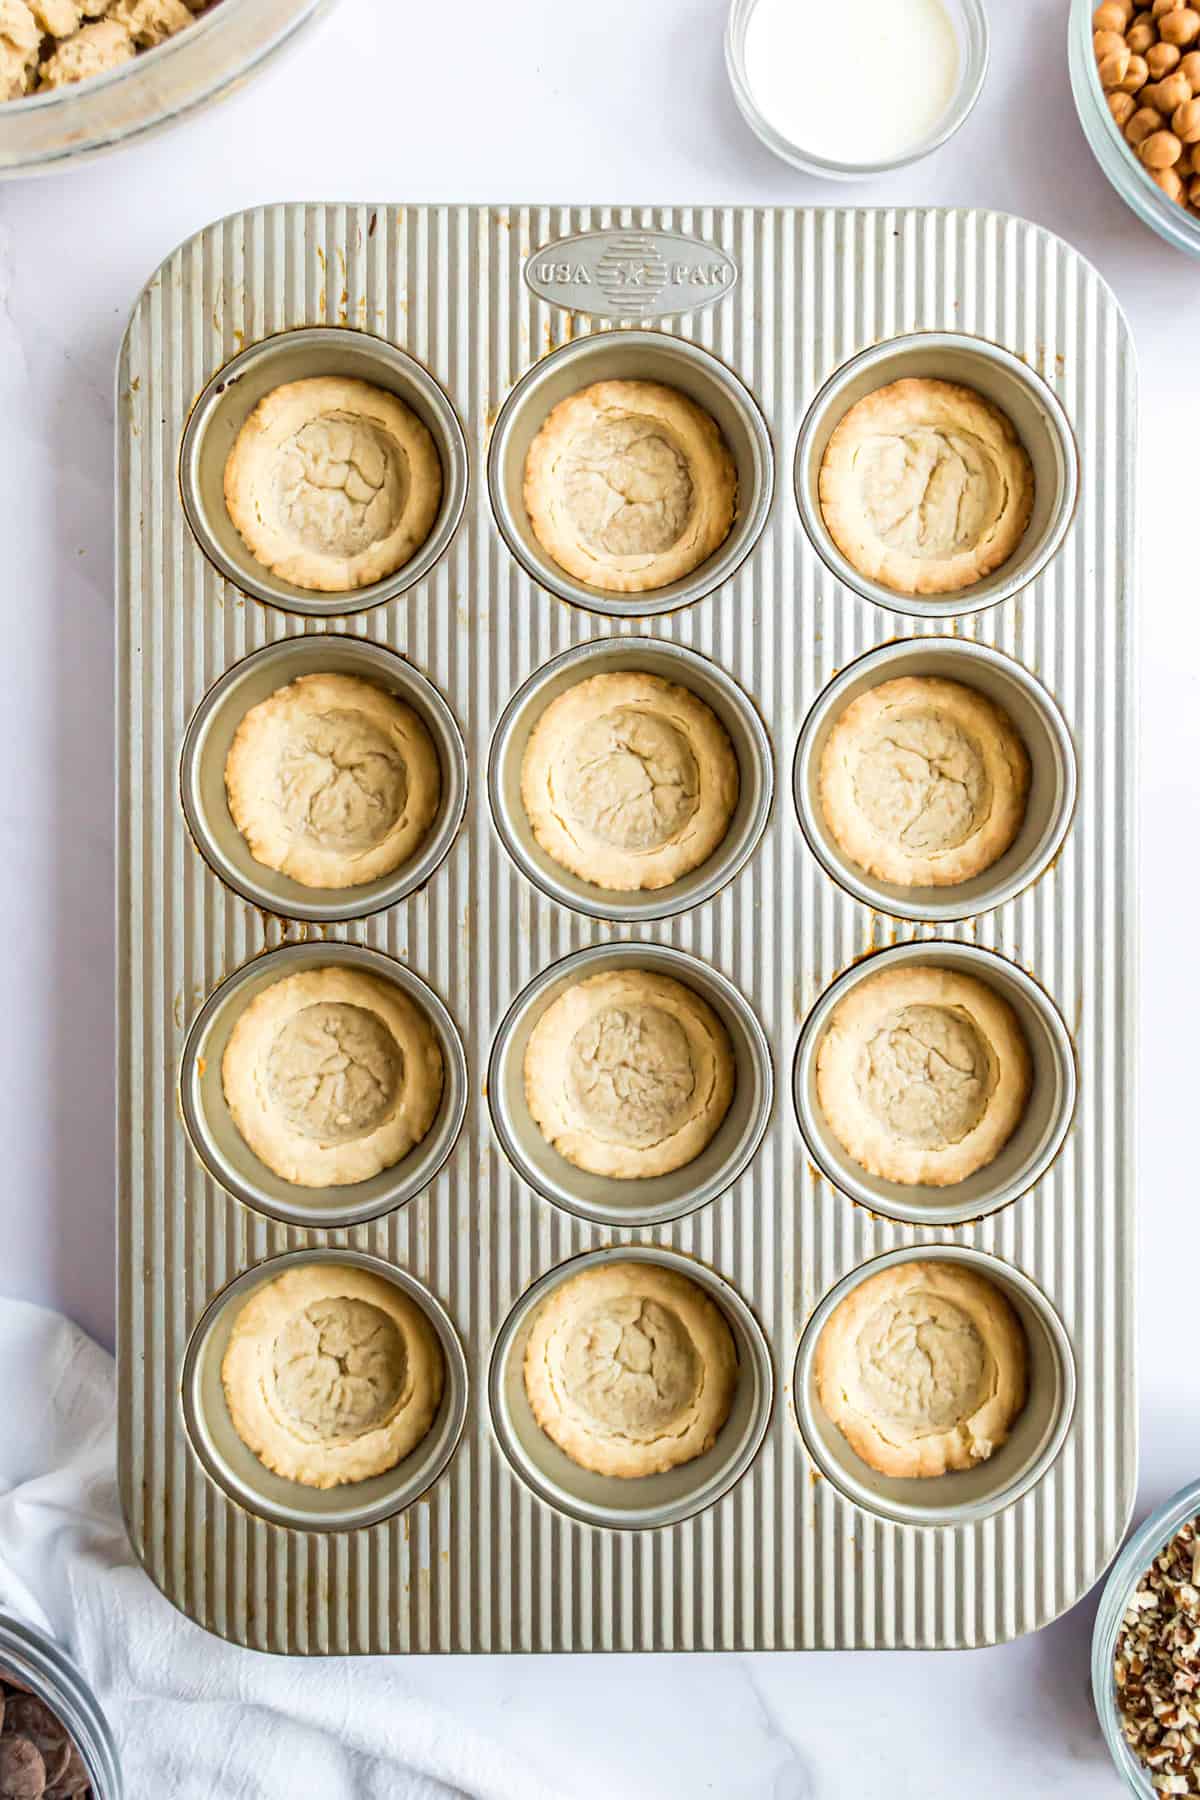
(1146, 1653)
(80, 76)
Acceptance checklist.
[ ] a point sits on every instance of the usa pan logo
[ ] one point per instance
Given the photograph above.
(630, 274)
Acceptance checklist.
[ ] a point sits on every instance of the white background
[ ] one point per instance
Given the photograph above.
(508, 100)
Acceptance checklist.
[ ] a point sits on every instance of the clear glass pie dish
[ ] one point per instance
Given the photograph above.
(1122, 1583)
(225, 46)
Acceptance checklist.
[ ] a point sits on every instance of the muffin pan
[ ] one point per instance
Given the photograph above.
(488, 1538)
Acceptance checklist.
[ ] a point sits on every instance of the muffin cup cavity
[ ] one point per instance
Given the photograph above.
(211, 732)
(227, 402)
(1029, 1152)
(647, 1501)
(247, 1481)
(1039, 723)
(631, 356)
(655, 1199)
(225, 1153)
(964, 1496)
(1036, 415)
(673, 663)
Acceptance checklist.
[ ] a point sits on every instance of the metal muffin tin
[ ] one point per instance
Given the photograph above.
(773, 319)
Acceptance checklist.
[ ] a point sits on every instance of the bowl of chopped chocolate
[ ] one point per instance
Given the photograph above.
(1146, 1653)
(55, 1743)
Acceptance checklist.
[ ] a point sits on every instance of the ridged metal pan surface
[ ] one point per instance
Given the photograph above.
(783, 299)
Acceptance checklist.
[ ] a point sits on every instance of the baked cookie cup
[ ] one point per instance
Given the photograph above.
(914, 813)
(393, 819)
(934, 1082)
(665, 1318)
(323, 1084)
(331, 1076)
(630, 472)
(924, 781)
(333, 483)
(630, 1084)
(629, 1074)
(629, 781)
(629, 486)
(323, 471)
(922, 1368)
(925, 487)
(243, 1340)
(1000, 1342)
(923, 1074)
(630, 1369)
(1017, 540)
(689, 820)
(331, 1374)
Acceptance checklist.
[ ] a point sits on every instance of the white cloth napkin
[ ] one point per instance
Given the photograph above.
(195, 1718)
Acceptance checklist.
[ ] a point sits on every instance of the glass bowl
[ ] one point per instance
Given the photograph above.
(1123, 1578)
(45, 131)
(971, 28)
(35, 1660)
(1171, 221)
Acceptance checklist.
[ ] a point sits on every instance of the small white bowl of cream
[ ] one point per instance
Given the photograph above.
(908, 74)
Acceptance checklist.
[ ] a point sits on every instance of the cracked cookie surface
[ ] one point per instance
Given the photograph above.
(629, 486)
(331, 1075)
(332, 781)
(629, 781)
(924, 781)
(333, 484)
(629, 1074)
(922, 1367)
(926, 487)
(923, 1075)
(630, 1368)
(332, 1374)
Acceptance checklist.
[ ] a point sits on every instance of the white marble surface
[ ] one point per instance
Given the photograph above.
(471, 100)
